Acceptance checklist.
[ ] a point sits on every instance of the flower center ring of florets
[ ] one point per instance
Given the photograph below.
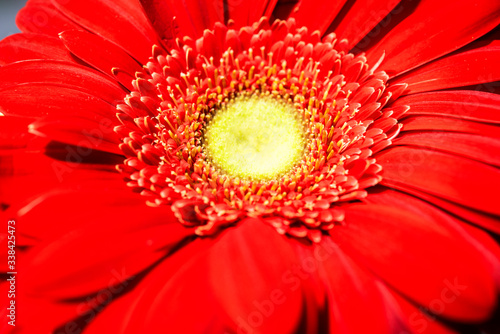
(337, 97)
(256, 137)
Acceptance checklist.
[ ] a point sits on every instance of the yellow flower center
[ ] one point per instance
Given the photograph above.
(255, 137)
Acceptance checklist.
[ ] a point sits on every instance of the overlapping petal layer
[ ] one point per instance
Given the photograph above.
(415, 252)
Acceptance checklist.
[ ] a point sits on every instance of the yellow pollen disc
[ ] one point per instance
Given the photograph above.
(255, 137)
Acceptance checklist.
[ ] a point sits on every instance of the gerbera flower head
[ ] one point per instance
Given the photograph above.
(268, 167)
(267, 121)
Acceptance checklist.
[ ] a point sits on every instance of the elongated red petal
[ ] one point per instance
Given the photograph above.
(360, 18)
(351, 292)
(39, 322)
(102, 55)
(42, 157)
(246, 13)
(268, 9)
(121, 254)
(79, 188)
(269, 272)
(35, 100)
(32, 46)
(418, 321)
(482, 219)
(129, 313)
(448, 176)
(64, 74)
(42, 17)
(464, 104)
(468, 68)
(440, 123)
(130, 28)
(306, 275)
(45, 175)
(422, 36)
(476, 147)
(86, 134)
(239, 12)
(316, 15)
(186, 292)
(203, 283)
(162, 13)
(204, 13)
(192, 17)
(13, 133)
(421, 259)
(475, 237)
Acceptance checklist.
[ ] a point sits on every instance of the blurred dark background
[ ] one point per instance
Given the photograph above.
(8, 11)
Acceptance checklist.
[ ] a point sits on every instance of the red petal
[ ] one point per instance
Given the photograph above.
(316, 15)
(361, 17)
(192, 16)
(27, 175)
(351, 292)
(38, 321)
(283, 9)
(481, 241)
(101, 54)
(463, 69)
(269, 8)
(306, 274)
(40, 16)
(438, 123)
(418, 321)
(260, 266)
(226, 288)
(37, 100)
(204, 13)
(489, 247)
(246, 13)
(114, 252)
(14, 133)
(162, 13)
(476, 147)
(90, 189)
(484, 220)
(120, 21)
(421, 258)
(466, 104)
(53, 160)
(32, 46)
(239, 12)
(424, 35)
(454, 178)
(128, 313)
(86, 134)
(62, 73)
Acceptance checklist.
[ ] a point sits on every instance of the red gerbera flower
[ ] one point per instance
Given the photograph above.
(252, 167)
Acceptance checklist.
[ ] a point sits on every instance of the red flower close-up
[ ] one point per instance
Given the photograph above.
(244, 167)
